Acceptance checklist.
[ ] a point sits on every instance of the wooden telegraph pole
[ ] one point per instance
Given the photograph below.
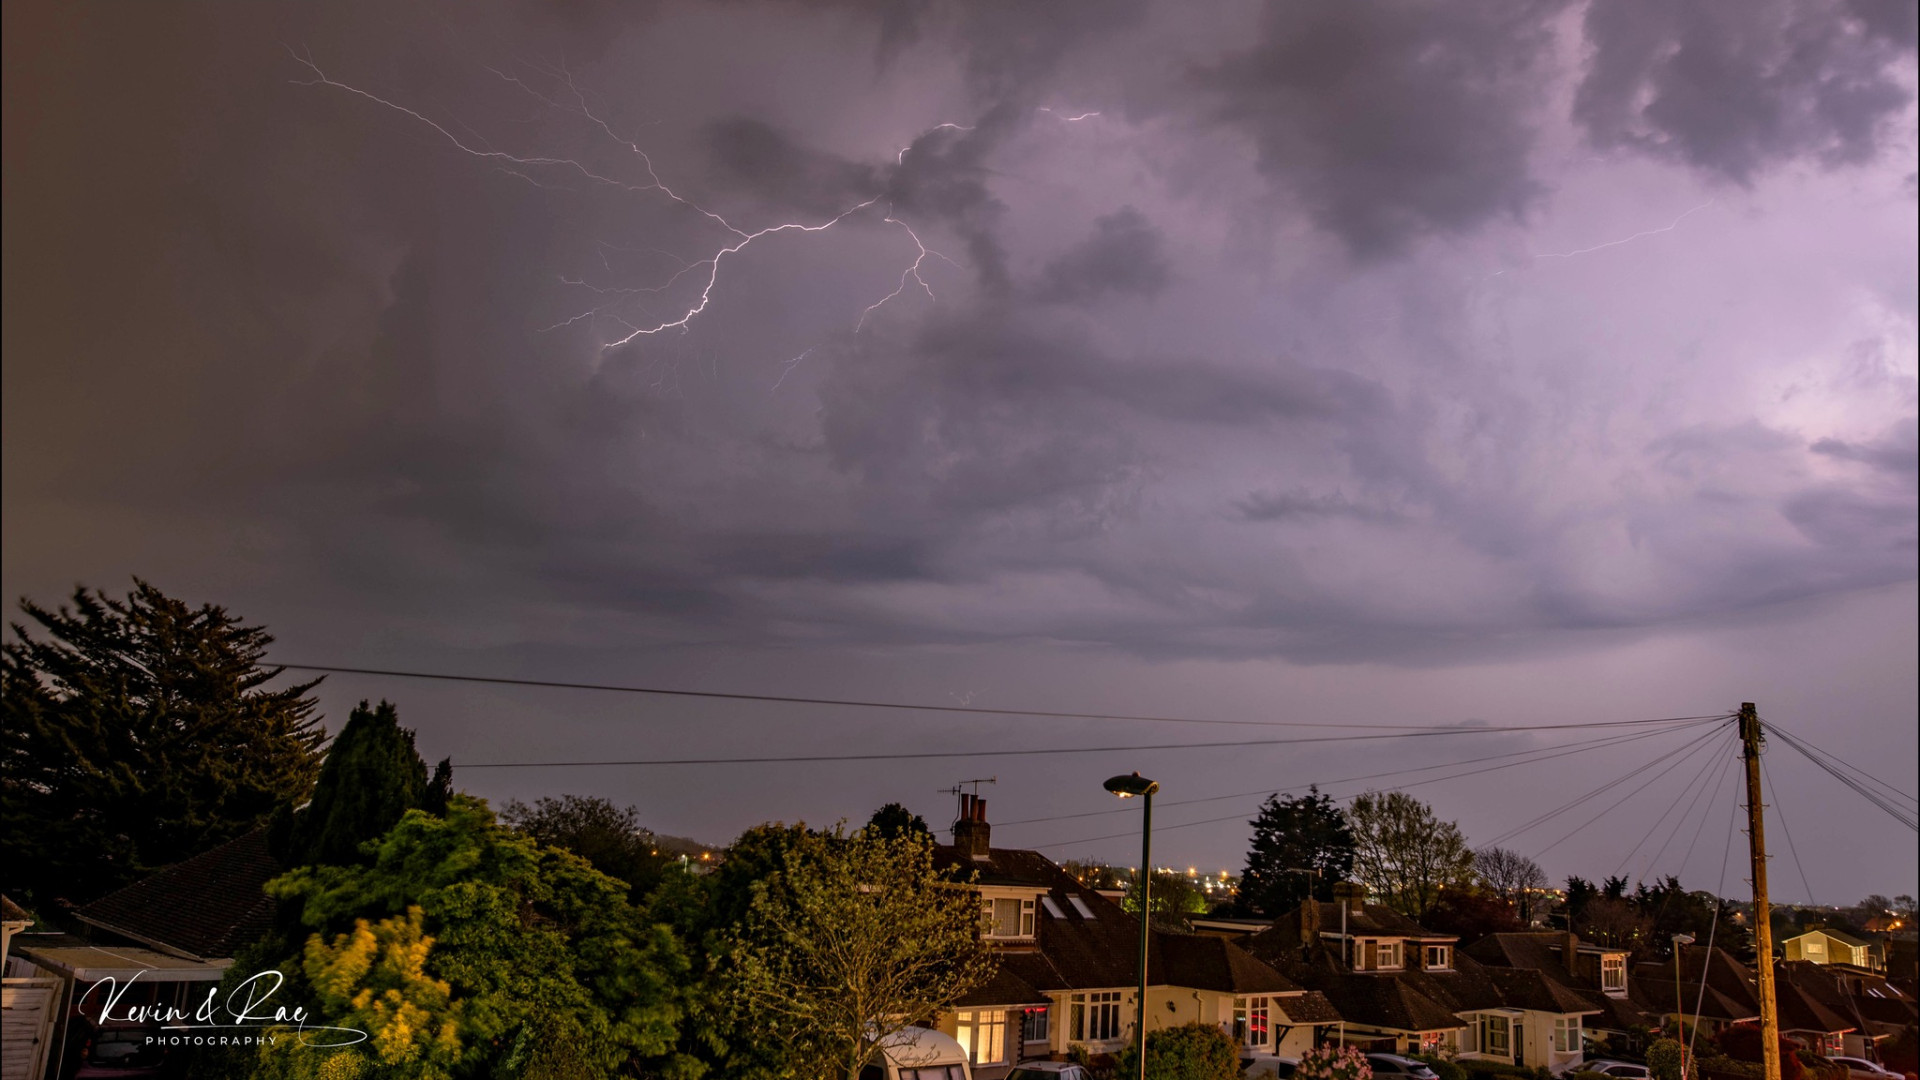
(1750, 740)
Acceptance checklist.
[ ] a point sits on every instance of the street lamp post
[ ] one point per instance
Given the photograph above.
(1679, 1006)
(1127, 787)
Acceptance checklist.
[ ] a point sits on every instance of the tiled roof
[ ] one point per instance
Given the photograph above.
(1730, 994)
(1541, 952)
(1312, 1007)
(204, 908)
(12, 912)
(1526, 988)
(1073, 951)
(1389, 1003)
(1005, 988)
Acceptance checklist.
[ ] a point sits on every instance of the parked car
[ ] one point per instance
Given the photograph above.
(1862, 1069)
(1049, 1070)
(1395, 1067)
(919, 1054)
(1626, 1070)
(1255, 1066)
(122, 1052)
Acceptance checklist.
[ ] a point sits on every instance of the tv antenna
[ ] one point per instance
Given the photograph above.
(959, 789)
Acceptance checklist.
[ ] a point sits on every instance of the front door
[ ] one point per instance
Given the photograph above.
(1520, 1040)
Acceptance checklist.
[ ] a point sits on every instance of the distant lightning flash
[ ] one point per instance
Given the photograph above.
(1674, 224)
(575, 102)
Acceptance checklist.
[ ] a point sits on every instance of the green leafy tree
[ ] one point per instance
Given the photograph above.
(372, 775)
(1667, 1059)
(548, 969)
(1301, 846)
(851, 938)
(608, 836)
(893, 819)
(1175, 902)
(1402, 852)
(139, 732)
(1196, 1051)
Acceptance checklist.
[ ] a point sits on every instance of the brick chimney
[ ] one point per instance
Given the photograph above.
(1309, 923)
(1570, 953)
(1352, 894)
(971, 831)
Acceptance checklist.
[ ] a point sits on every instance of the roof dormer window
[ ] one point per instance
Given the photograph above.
(1008, 916)
(1439, 958)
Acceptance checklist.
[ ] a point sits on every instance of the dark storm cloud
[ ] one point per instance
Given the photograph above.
(1734, 88)
(1125, 255)
(1391, 122)
(750, 155)
(1897, 452)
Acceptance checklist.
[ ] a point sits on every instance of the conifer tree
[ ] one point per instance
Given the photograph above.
(139, 732)
(371, 777)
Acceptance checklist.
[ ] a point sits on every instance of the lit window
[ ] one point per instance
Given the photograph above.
(1613, 972)
(983, 1032)
(1008, 917)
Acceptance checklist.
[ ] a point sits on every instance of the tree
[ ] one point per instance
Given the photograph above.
(1615, 923)
(853, 937)
(137, 733)
(1195, 1051)
(1580, 893)
(1404, 853)
(1301, 846)
(1095, 875)
(490, 955)
(593, 828)
(1175, 901)
(893, 819)
(372, 775)
(1472, 914)
(1512, 876)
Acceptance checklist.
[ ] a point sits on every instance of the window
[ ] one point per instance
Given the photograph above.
(1008, 917)
(1388, 955)
(1080, 906)
(1439, 958)
(983, 1032)
(1566, 1034)
(1613, 972)
(1495, 1037)
(1251, 1021)
(1438, 1042)
(1034, 1024)
(1095, 1017)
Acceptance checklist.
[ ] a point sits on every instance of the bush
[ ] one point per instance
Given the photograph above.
(1665, 1059)
(1742, 1042)
(1445, 1068)
(1327, 1063)
(1195, 1051)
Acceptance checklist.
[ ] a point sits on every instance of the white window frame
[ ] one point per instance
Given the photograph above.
(1093, 1013)
(1613, 973)
(1253, 1022)
(983, 1032)
(1439, 957)
(1566, 1034)
(1020, 920)
(1036, 1024)
(1388, 954)
(1490, 1025)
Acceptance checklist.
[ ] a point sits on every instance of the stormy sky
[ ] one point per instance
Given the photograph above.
(1479, 364)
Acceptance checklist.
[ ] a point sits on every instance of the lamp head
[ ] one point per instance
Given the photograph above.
(1683, 939)
(1133, 784)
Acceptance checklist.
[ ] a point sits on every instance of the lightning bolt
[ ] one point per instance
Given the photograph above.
(613, 301)
(1643, 234)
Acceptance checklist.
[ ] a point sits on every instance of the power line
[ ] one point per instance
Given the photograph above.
(1702, 744)
(852, 703)
(1780, 814)
(1547, 753)
(1577, 800)
(1899, 814)
(1402, 787)
(1045, 751)
(1694, 789)
(1700, 792)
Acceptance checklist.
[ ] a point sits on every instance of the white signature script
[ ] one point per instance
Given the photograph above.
(249, 1005)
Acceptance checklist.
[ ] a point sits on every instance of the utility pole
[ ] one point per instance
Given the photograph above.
(1750, 739)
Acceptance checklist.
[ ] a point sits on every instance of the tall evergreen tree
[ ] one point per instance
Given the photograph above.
(139, 732)
(1301, 846)
(371, 777)
(894, 819)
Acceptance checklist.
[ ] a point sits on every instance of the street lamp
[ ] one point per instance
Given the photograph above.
(1127, 787)
(1679, 1006)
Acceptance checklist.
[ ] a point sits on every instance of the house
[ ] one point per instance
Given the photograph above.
(1700, 986)
(1833, 947)
(1597, 973)
(1067, 973)
(29, 1005)
(164, 939)
(1405, 989)
(1850, 1012)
